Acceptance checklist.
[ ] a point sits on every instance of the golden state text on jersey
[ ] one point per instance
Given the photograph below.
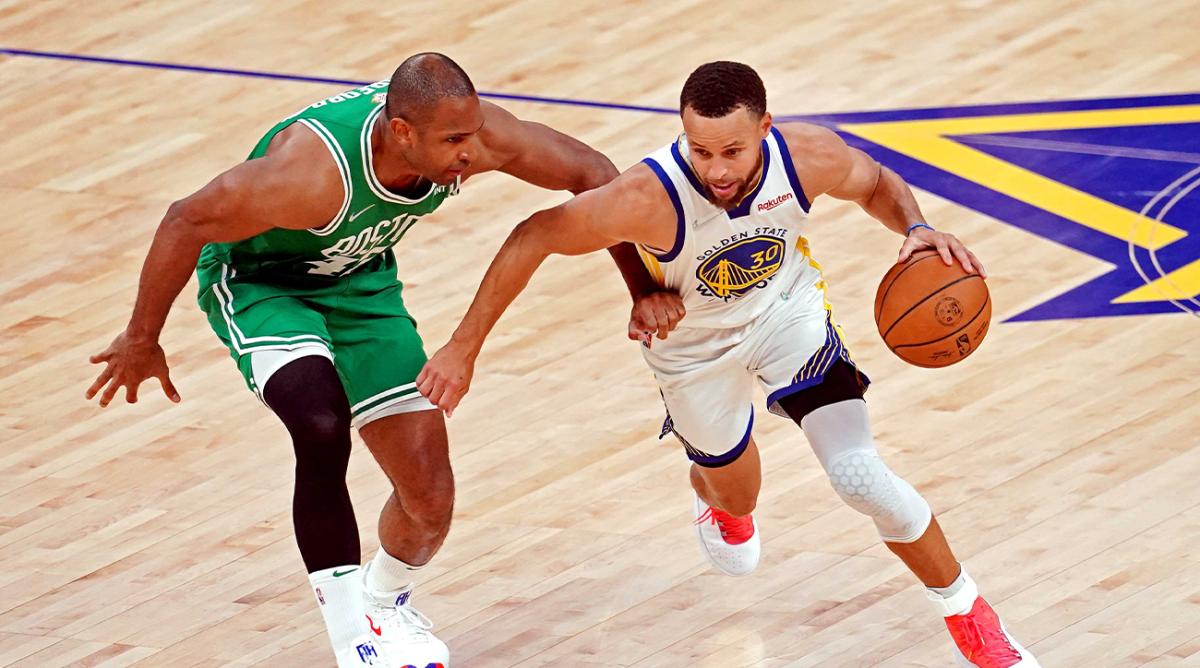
(731, 265)
(741, 263)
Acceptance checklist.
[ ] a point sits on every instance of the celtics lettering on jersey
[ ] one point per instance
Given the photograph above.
(369, 222)
(351, 252)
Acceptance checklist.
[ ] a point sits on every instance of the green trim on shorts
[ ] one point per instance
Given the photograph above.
(406, 391)
(360, 319)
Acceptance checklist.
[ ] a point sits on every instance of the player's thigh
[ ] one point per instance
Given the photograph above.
(378, 354)
(796, 352)
(710, 410)
(264, 327)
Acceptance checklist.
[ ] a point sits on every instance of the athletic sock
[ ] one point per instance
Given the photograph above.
(388, 573)
(339, 595)
(957, 598)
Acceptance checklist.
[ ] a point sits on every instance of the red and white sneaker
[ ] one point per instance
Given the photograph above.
(730, 543)
(402, 636)
(980, 640)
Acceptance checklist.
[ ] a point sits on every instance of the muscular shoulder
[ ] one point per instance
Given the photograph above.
(636, 207)
(298, 172)
(500, 136)
(819, 155)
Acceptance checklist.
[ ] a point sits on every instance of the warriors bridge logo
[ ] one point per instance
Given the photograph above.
(740, 267)
(1115, 179)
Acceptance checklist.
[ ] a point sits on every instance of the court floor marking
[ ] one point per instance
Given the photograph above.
(300, 78)
(283, 76)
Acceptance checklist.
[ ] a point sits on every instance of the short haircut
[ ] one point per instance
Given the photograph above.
(715, 89)
(421, 82)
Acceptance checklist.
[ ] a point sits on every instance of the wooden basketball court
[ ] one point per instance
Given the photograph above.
(1061, 458)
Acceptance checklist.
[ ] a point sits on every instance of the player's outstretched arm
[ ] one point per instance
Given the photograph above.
(281, 189)
(545, 157)
(833, 168)
(633, 208)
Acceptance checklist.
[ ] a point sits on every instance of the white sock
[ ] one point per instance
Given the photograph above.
(388, 573)
(339, 595)
(957, 598)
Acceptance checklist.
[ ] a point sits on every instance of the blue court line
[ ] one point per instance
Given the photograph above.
(129, 62)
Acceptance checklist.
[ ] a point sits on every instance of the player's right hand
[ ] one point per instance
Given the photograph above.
(655, 313)
(446, 377)
(127, 362)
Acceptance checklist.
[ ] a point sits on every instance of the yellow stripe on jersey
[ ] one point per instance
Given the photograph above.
(652, 265)
(802, 246)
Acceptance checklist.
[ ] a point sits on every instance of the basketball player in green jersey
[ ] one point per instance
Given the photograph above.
(293, 253)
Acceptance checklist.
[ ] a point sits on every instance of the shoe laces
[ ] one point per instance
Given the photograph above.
(734, 530)
(406, 621)
(986, 641)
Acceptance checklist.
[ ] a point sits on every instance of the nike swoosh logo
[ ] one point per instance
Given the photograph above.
(360, 213)
(338, 574)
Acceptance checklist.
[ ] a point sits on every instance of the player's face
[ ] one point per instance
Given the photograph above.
(726, 152)
(443, 147)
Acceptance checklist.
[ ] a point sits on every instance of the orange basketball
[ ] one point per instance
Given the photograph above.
(929, 314)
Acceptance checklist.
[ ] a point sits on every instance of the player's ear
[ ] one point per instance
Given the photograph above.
(404, 132)
(765, 126)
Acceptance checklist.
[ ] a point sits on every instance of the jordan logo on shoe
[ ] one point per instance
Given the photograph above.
(377, 630)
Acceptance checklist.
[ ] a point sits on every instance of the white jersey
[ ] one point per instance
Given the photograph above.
(731, 266)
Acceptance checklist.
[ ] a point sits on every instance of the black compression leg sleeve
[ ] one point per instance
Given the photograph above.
(308, 397)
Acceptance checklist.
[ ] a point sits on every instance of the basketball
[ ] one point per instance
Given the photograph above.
(929, 314)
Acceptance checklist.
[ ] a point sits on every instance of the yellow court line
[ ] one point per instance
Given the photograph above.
(1183, 283)
(925, 140)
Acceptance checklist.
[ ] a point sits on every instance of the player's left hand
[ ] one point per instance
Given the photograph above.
(447, 376)
(947, 245)
(655, 313)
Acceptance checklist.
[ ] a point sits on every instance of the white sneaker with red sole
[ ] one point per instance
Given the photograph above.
(730, 543)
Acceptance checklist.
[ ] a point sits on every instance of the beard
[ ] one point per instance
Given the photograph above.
(730, 203)
(742, 191)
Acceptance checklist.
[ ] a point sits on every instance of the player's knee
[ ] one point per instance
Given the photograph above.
(867, 485)
(322, 441)
(431, 502)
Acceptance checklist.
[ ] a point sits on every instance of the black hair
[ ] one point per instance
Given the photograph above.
(715, 89)
(421, 82)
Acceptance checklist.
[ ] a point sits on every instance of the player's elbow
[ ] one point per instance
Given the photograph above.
(530, 237)
(183, 224)
(598, 171)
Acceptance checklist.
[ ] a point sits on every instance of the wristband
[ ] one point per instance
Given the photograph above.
(913, 227)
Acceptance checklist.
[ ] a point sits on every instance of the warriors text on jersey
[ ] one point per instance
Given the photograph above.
(730, 266)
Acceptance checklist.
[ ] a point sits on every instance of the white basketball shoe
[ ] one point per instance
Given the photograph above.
(403, 635)
(363, 652)
(730, 543)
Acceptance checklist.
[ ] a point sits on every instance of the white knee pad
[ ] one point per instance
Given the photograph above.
(867, 485)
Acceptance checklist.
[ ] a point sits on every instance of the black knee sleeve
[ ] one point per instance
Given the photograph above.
(308, 397)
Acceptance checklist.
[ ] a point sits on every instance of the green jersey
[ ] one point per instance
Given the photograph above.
(360, 237)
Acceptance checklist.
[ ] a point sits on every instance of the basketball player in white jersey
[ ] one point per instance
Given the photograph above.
(719, 215)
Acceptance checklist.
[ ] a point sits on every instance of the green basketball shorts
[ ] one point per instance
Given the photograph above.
(359, 322)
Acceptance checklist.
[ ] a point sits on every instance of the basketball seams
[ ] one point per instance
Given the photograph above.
(927, 298)
(986, 303)
(882, 299)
